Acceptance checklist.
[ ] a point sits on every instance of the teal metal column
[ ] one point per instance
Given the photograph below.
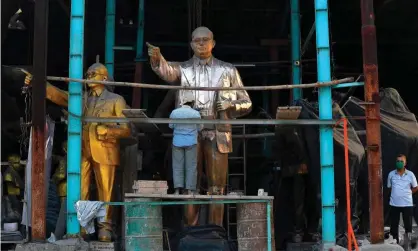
(326, 139)
(295, 35)
(137, 93)
(110, 36)
(140, 32)
(75, 112)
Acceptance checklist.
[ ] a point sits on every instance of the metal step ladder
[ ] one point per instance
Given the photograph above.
(236, 179)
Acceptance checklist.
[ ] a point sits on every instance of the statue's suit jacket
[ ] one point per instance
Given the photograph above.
(222, 75)
(109, 104)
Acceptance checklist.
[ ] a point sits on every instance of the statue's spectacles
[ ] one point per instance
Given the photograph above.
(201, 40)
(93, 74)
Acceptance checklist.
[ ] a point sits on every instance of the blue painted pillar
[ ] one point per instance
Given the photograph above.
(75, 104)
(140, 59)
(295, 35)
(140, 32)
(326, 132)
(110, 36)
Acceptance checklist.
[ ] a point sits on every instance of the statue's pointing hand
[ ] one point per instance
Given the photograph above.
(154, 54)
(28, 78)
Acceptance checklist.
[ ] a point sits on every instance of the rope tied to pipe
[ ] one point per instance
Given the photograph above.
(174, 87)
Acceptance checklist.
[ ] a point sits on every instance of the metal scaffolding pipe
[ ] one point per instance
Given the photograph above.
(234, 136)
(75, 107)
(140, 59)
(140, 31)
(38, 172)
(296, 60)
(110, 36)
(372, 107)
(210, 121)
(175, 87)
(326, 139)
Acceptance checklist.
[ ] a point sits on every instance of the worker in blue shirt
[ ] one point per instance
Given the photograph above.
(184, 152)
(403, 184)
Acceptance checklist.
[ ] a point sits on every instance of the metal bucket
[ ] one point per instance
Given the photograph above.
(252, 227)
(143, 227)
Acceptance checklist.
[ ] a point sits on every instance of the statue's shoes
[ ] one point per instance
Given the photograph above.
(105, 235)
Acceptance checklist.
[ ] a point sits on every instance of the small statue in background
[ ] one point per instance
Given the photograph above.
(60, 175)
(14, 185)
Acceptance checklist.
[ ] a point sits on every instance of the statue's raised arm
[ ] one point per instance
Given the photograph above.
(168, 71)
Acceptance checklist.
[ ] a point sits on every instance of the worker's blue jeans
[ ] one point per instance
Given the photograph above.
(185, 167)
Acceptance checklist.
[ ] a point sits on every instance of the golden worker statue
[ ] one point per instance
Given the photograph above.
(14, 183)
(15, 186)
(60, 175)
(215, 141)
(100, 141)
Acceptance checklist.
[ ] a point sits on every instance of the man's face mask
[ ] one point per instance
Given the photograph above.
(399, 164)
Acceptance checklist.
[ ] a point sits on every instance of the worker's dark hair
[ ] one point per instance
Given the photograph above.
(401, 156)
(189, 103)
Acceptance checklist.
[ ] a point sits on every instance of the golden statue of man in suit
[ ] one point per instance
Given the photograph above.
(215, 141)
(100, 141)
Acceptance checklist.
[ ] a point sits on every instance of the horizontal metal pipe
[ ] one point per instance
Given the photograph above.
(174, 87)
(185, 202)
(345, 85)
(210, 121)
(237, 136)
(200, 196)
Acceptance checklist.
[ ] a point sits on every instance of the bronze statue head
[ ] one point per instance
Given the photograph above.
(202, 42)
(14, 161)
(97, 71)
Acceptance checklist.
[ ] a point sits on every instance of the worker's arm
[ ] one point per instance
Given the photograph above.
(171, 125)
(389, 183)
(122, 130)
(199, 126)
(414, 185)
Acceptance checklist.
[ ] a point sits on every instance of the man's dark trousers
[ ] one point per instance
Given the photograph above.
(394, 220)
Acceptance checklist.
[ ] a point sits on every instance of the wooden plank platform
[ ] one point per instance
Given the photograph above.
(198, 197)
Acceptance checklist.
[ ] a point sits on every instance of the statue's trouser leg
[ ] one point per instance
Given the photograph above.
(313, 207)
(299, 200)
(216, 171)
(105, 177)
(62, 221)
(216, 165)
(86, 171)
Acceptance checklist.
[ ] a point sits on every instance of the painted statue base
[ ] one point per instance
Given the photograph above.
(103, 246)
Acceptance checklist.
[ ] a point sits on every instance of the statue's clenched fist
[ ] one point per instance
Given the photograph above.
(154, 54)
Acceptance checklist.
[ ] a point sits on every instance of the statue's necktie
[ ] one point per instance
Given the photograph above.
(203, 81)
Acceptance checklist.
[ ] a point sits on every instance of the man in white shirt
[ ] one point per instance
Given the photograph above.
(403, 184)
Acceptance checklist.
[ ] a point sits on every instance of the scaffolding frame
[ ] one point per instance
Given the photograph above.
(325, 101)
